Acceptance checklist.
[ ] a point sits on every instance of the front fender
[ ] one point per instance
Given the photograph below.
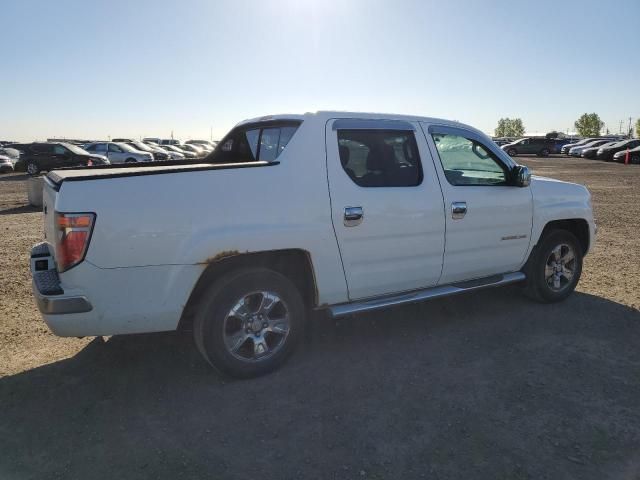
(554, 200)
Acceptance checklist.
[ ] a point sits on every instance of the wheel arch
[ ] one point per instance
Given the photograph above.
(295, 264)
(577, 226)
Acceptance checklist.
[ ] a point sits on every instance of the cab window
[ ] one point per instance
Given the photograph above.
(380, 158)
(468, 162)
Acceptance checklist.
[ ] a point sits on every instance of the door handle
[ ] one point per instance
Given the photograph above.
(458, 210)
(353, 216)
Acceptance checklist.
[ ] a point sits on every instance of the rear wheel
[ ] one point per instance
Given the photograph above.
(554, 268)
(249, 322)
(130, 160)
(544, 152)
(33, 168)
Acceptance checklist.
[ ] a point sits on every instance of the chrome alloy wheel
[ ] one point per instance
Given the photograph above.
(560, 267)
(257, 326)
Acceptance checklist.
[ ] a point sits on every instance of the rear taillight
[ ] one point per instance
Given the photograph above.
(73, 232)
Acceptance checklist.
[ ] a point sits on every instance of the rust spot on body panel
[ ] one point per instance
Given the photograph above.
(221, 255)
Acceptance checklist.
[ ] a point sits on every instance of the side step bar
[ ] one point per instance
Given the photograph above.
(425, 294)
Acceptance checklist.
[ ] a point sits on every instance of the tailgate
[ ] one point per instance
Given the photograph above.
(49, 195)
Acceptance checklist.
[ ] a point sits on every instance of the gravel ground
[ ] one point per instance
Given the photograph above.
(488, 385)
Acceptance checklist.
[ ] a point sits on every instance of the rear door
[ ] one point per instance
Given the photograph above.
(43, 155)
(386, 206)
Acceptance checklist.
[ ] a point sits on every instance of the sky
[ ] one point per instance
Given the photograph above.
(98, 69)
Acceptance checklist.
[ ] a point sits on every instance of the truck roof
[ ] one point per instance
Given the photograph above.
(327, 115)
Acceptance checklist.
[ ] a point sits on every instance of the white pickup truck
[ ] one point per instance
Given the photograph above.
(345, 212)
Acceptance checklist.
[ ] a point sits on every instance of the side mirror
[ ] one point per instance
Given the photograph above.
(521, 176)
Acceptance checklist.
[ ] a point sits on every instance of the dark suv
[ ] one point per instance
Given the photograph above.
(36, 157)
(533, 145)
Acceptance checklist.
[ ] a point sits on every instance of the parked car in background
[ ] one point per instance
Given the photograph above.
(540, 146)
(6, 165)
(45, 156)
(592, 152)
(565, 148)
(170, 141)
(118, 152)
(193, 148)
(151, 140)
(577, 150)
(204, 143)
(172, 155)
(559, 143)
(244, 282)
(606, 152)
(175, 148)
(12, 153)
(634, 155)
(159, 155)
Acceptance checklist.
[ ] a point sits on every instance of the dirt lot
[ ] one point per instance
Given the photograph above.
(489, 385)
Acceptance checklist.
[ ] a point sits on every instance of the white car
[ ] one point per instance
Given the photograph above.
(118, 152)
(342, 212)
(178, 149)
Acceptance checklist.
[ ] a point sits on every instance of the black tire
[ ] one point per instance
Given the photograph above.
(512, 152)
(218, 300)
(544, 152)
(130, 160)
(634, 159)
(537, 287)
(32, 168)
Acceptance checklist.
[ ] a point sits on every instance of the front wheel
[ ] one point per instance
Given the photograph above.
(130, 160)
(512, 152)
(249, 322)
(554, 268)
(544, 152)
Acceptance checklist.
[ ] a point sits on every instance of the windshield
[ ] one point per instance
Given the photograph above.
(141, 146)
(125, 147)
(75, 149)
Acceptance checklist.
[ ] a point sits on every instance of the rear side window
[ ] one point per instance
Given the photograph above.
(42, 148)
(380, 158)
(251, 143)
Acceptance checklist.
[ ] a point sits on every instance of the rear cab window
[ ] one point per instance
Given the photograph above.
(379, 157)
(253, 142)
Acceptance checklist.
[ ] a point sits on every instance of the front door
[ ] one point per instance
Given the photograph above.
(387, 206)
(488, 219)
(115, 153)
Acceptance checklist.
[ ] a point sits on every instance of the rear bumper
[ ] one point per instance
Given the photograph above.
(91, 301)
(50, 297)
(47, 289)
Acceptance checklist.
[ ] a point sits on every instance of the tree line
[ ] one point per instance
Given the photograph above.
(588, 125)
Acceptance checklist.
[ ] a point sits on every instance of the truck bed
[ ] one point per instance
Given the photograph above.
(57, 177)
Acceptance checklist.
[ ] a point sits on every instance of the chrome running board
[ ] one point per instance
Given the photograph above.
(425, 294)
